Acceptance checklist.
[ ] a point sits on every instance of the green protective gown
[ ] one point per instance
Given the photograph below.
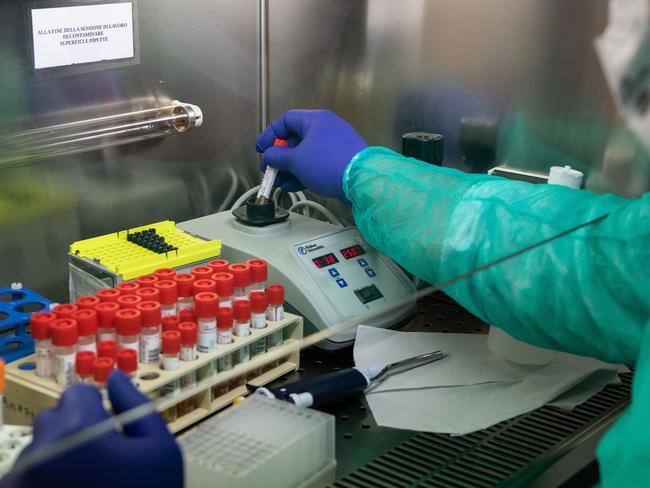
(585, 293)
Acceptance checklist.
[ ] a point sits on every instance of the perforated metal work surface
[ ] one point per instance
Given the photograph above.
(511, 453)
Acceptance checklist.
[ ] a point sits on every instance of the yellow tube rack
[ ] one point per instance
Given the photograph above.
(129, 260)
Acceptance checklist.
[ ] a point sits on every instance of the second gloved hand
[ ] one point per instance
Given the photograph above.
(321, 146)
(143, 455)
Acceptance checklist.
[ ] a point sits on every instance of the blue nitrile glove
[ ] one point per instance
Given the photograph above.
(145, 454)
(321, 146)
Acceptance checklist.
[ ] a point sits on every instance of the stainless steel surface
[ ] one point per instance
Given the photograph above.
(204, 52)
(548, 444)
(514, 83)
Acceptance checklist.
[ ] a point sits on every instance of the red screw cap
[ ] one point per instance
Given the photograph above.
(151, 294)
(206, 304)
(170, 323)
(242, 310)
(128, 322)
(87, 302)
(168, 291)
(40, 323)
(171, 342)
(202, 272)
(219, 265)
(108, 294)
(189, 333)
(187, 315)
(106, 314)
(259, 270)
(275, 294)
(165, 273)
(102, 368)
(185, 282)
(204, 285)
(107, 349)
(128, 287)
(127, 360)
(242, 274)
(146, 281)
(65, 310)
(86, 322)
(63, 332)
(259, 302)
(225, 284)
(150, 313)
(128, 301)
(280, 142)
(84, 363)
(224, 318)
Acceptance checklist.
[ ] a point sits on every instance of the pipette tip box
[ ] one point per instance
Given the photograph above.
(261, 442)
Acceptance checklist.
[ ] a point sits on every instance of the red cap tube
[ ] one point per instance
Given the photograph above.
(128, 287)
(206, 304)
(40, 323)
(225, 284)
(106, 314)
(171, 342)
(165, 273)
(146, 281)
(150, 313)
(151, 294)
(107, 349)
(187, 315)
(108, 294)
(128, 301)
(219, 265)
(65, 310)
(202, 272)
(63, 332)
(87, 302)
(242, 274)
(168, 291)
(170, 323)
(259, 302)
(102, 369)
(185, 283)
(225, 318)
(204, 285)
(127, 360)
(189, 333)
(259, 270)
(86, 322)
(128, 322)
(242, 310)
(275, 294)
(84, 363)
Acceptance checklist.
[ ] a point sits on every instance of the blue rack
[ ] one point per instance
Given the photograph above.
(17, 304)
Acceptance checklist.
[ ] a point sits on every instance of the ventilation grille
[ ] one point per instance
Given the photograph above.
(489, 457)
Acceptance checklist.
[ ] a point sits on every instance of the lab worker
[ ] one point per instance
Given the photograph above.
(584, 293)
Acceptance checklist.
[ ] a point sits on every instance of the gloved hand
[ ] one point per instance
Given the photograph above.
(321, 145)
(145, 454)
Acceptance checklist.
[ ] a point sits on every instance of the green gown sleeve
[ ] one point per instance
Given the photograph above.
(586, 293)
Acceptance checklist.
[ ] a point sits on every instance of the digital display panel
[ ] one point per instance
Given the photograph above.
(325, 260)
(352, 252)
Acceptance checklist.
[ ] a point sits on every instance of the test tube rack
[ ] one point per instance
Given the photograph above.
(27, 394)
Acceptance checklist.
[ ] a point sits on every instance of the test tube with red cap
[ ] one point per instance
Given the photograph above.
(170, 323)
(86, 329)
(242, 278)
(202, 272)
(219, 266)
(168, 297)
(259, 303)
(205, 308)
(275, 295)
(146, 281)
(128, 287)
(108, 294)
(106, 321)
(107, 349)
(102, 369)
(185, 285)
(87, 302)
(204, 285)
(259, 274)
(164, 274)
(128, 301)
(171, 349)
(128, 323)
(64, 341)
(149, 294)
(127, 361)
(264, 192)
(40, 324)
(150, 332)
(84, 366)
(189, 337)
(225, 288)
(225, 321)
(65, 310)
(187, 316)
(242, 328)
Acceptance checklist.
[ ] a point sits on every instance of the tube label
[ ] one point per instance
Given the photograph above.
(275, 312)
(242, 329)
(207, 334)
(224, 336)
(44, 366)
(149, 348)
(258, 320)
(188, 352)
(64, 368)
